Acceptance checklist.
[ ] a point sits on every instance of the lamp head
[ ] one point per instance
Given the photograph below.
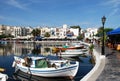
(103, 20)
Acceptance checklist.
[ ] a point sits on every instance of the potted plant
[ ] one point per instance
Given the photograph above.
(91, 47)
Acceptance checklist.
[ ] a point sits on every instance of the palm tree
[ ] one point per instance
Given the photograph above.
(33, 32)
(36, 32)
(91, 47)
(47, 34)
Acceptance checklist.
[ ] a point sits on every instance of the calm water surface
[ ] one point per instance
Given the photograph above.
(8, 51)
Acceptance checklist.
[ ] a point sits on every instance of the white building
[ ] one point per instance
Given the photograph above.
(44, 30)
(75, 31)
(90, 32)
(17, 31)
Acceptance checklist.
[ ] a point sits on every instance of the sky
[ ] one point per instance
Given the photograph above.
(55, 13)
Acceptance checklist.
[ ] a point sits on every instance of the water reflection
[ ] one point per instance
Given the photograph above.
(36, 49)
(5, 49)
(24, 49)
(73, 59)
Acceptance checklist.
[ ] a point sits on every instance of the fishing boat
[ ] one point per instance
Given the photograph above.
(72, 53)
(41, 66)
(71, 47)
(66, 47)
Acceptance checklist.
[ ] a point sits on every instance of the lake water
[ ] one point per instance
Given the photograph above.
(8, 51)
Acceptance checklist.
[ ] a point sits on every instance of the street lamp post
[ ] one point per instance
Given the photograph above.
(103, 48)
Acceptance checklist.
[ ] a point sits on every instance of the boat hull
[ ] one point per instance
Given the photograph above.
(71, 53)
(63, 49)
(53, 72)
(55, 50)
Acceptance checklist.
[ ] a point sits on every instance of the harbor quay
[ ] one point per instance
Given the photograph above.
(52, 42)
(98, 67)
(111, 71)
(107, 67)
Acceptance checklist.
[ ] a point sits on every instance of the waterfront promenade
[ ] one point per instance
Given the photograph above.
(111, 71)
(105, 69)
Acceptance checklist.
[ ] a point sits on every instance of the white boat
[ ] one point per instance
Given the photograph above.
(72, 52)
(40, 66)
(3, 77)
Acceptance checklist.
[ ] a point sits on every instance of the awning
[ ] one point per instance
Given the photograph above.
(113, 32)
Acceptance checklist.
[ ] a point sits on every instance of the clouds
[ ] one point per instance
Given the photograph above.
(17, 4)
(57, 12)
(114, 5)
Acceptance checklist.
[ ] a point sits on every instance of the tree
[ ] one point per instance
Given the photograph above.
(80, 37)
(33, 32)
(47, 34)
(108, 29)
(91, 47)
(36, 32)
(100, 31)
(6, 36)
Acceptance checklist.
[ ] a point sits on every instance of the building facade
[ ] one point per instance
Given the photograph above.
(55, 32)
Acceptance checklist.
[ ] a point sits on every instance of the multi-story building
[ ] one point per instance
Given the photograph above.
(6, 30)
(59, 32)
(29, 30)
(1, 29)
(90, 32)
(17, 31)
(75, 31)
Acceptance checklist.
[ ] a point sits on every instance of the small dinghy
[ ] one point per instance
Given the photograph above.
(3, 77)
(71, 53)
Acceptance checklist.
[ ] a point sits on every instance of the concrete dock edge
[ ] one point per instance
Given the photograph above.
(97, 69)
